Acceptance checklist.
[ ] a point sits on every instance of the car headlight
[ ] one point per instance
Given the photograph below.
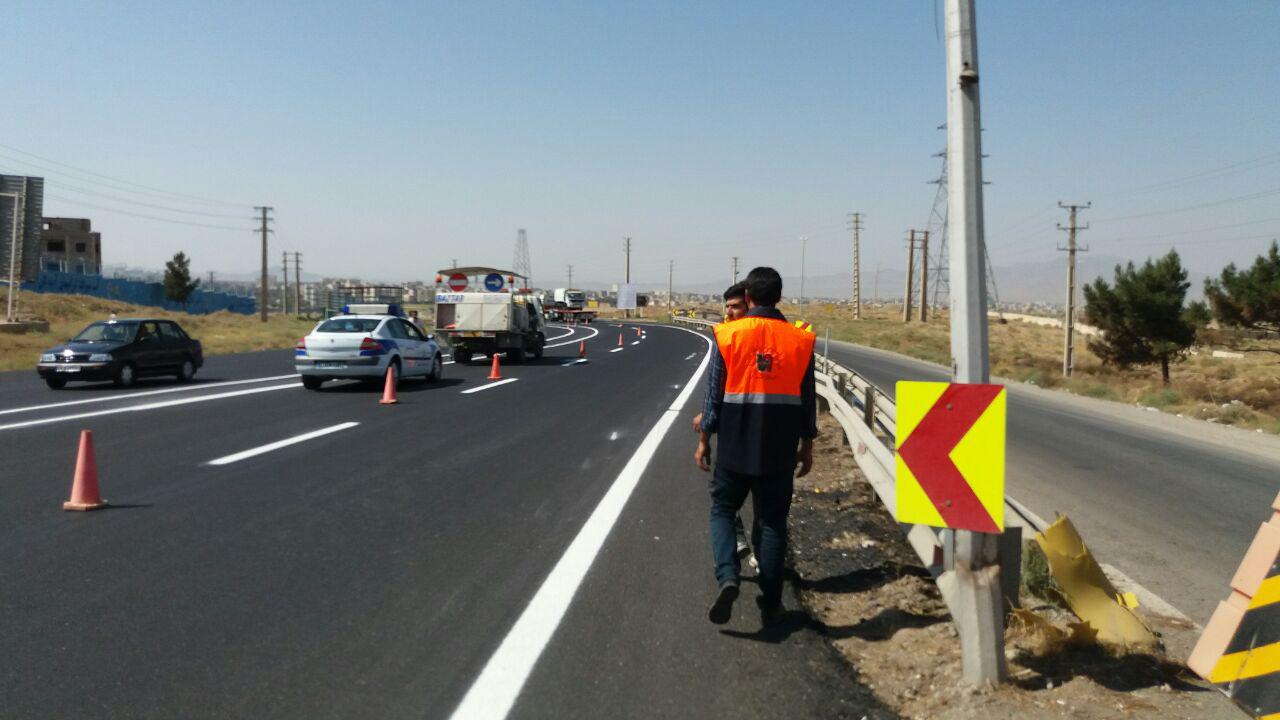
(48, 357)
(100, 357)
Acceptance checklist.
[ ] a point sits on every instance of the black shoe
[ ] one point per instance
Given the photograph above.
(772, 616)
(722, 609)
(744, 550)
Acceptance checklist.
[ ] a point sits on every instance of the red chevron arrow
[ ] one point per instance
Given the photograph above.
(928, 453)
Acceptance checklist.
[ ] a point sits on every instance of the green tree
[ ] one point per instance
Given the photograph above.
(1141, 316)
(178, 284)
(1248, 299)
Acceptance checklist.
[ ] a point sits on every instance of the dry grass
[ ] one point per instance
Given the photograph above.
(1244, 392)
(220, 333)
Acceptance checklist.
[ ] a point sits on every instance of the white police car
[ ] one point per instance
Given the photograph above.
(362, 343)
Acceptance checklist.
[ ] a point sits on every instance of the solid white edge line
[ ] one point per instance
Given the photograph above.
(486, 386)
(147, 406)
(562, 327)
(251, 452)
(494, 692)
(594, 332)
(164, 391)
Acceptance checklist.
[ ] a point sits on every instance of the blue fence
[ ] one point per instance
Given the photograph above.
(137, 293)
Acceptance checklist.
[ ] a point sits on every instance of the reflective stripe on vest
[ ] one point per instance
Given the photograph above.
(765, 360)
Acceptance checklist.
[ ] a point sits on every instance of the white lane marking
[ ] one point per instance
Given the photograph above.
(184, 388)
(446, 362)
(243, 455)
(613, 435)
(691, 356)
(494, 692)
(562, 327)
(617, 350)
(148, 406)
(594, 332)
(637, 342)
(575, 361)
(486, 386)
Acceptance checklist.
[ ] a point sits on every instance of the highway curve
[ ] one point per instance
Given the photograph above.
(373, 571)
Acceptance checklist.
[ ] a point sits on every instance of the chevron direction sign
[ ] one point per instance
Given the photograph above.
(950, 470)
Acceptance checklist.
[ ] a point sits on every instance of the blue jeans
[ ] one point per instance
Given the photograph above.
(770, 502)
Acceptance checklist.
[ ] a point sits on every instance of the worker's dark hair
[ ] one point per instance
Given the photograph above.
(764, 286)
(736, 290)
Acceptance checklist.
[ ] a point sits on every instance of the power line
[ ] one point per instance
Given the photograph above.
(1188, 208)
(72, 188)
(145, 217)
(196, 198)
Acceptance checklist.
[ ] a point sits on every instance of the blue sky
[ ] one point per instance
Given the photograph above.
(391, 137)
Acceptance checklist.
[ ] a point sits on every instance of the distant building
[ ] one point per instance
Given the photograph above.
(27, 260)
(70, 245)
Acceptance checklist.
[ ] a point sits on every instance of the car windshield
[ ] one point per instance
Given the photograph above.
(348, 325)
(107, 332)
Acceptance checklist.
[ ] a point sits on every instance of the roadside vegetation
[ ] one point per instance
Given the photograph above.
(219, 333)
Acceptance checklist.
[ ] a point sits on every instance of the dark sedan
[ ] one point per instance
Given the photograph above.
(123, 351)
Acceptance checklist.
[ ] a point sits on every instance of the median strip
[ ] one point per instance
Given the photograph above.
(253, 452)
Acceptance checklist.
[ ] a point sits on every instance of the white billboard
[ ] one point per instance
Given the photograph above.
(627, 296)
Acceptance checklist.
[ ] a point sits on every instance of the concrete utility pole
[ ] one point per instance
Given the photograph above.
(626, 248)
(804, 242)
(570, 287)
(875, 286)
(211, 281)
(855, 224)
(911, 267)
(262, 303)
(19, 201)
(735, 269)
(974, 579)
(1069, 322)
(284, 290)
(671, 269)
(924, 277)
(297, 283)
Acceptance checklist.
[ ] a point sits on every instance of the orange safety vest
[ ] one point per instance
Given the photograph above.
(760, 418)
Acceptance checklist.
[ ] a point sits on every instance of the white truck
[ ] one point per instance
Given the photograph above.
(570, 304)
(489, 317)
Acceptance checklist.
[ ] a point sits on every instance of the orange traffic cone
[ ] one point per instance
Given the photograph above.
(389, 388)
(582, 348)
(637, 331)
(84, 486)
(619, 339)
(494, 372)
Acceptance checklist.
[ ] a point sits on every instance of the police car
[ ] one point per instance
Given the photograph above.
(362, 343)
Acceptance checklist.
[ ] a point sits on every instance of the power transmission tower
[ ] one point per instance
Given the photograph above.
(522, 265)
(297, 283)
(266, 220)
(855, 225)
(941, 257)
(284, 290)
(1069, 321)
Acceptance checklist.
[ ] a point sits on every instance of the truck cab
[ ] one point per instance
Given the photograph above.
(480, 311)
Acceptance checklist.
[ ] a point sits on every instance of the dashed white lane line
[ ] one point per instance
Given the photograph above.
(488, 386)
(636, 342)
(575, 361)
(494, 692)
(617, 350)
(148, 406)
(261, 449)
(165, 391)
(691, 356)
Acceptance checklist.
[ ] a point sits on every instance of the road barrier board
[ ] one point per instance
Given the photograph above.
(951, 455)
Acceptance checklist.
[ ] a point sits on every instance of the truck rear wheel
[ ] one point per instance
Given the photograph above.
(515, 355)
(462, 356)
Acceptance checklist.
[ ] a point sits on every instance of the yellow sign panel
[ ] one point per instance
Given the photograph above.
(950, 457)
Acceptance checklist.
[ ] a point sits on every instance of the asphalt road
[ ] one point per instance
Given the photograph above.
(373, 572)
(1173, 503)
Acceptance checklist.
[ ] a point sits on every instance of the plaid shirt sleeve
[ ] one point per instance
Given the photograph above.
(715, 393)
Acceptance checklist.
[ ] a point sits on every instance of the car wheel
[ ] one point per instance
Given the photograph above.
(55, 383)
(312, 383)
(437, 369)
(186, 370)
(126, 376)
(541, 343)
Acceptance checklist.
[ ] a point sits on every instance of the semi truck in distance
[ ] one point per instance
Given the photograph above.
(569, 304)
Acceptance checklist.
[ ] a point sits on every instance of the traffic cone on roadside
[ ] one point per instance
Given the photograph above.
(582, 348)
(619, 339)
(389, 388)
(494, 372)
(84, 485)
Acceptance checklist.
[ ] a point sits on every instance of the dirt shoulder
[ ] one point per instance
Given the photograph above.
(876, 604)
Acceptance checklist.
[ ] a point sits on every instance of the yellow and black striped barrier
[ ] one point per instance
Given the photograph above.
(1239, 650)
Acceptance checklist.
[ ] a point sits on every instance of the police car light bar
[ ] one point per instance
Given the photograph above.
(373, 309)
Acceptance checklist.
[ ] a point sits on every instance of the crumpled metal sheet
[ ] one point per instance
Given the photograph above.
(1089, 593)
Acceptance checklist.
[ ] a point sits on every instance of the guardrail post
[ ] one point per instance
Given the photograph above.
(869, 407)
(1010, 553)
